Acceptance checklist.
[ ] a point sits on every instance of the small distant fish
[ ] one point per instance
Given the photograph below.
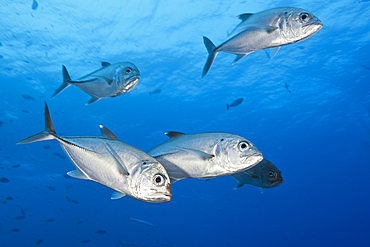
(4, 180)
(23, 211)
(109, 81)
(34, 5)
(38, 242)
(21, 217)
(267, 29)
(14, 230)
(287, 88)
(71, 200)
(235, 103)
(1, 123)
(366, 67)
(47, 147)
(301, 47)
(25, 111)
(29, 78)
(156, 91)
(15, 166)
(59, 155)
(68, 187)
(49, 220)
(142, 222)
(101, 232)
(27, 97)
(9, 198)
(84, 241)
(264, 175)
(79, 222)
(50, 188)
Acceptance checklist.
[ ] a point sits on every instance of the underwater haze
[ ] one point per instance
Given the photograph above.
(307, 110)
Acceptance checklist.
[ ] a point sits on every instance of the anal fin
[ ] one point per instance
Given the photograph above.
(77, 174)
(117, 195)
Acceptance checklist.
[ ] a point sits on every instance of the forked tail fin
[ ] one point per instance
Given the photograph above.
(66, 82)
(48, 134)
(211, 48)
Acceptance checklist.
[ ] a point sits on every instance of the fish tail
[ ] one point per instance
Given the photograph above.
(66, 82)
(227, 106)
(48, 134)
(211, 48)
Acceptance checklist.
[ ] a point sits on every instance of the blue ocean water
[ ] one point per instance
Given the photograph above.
(318, 135)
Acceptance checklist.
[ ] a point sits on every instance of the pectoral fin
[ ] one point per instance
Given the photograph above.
(107, 80)
(117, 195)
(120, 164)
(185, 152)
(200, 154)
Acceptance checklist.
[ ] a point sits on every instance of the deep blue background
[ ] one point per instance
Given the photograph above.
(318, 135)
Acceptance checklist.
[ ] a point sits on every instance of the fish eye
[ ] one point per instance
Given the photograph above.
(243, 146)
(158, 179)
(272, 174)
(128, 71)
(304, 17)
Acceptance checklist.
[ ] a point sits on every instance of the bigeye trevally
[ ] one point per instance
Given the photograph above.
(109, 81)
(110, 162)
(264, 175)
(205, 155)
(267, 29)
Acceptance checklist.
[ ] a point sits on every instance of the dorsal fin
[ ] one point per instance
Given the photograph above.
(106, 133)
(105, 64)
(245, 16)
(174, 134)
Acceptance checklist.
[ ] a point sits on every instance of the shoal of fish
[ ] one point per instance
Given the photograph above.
(147, 176)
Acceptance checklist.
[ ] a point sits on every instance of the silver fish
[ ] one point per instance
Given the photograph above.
(264, 175)
(267, 29)
(110, 162)
(205, 155)
(109, 81)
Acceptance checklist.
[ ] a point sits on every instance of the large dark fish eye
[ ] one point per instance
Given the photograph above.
(304, 17)
(243, 146)
(128, 71)
(158, 179)
(272, 174)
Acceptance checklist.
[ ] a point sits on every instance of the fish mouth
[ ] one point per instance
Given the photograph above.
(160, 197)
(251, 161)
(276, 183)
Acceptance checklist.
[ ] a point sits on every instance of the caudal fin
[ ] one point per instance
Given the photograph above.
(66, 82)
(48, 134)
(211, 48)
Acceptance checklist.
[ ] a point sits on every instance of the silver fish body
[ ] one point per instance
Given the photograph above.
(109, 81)
(267, 29)
(108, 161)
(264, 175)
(205, 155)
